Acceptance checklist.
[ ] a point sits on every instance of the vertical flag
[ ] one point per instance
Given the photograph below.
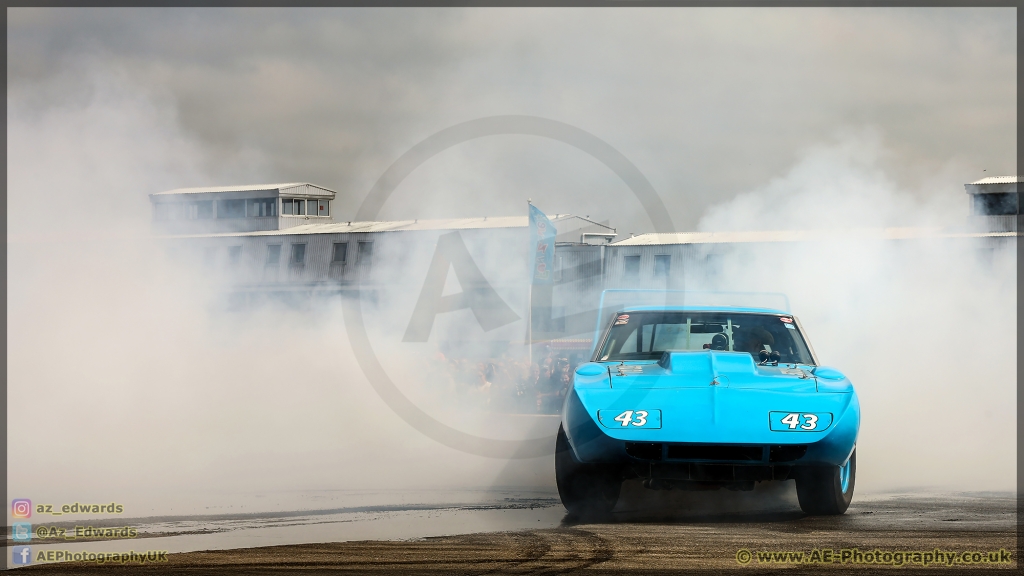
(542, 243)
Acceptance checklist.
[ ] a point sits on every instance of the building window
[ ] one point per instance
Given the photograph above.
(319, 207)
(261, 208)
(364, 252)
(1003, 204)
(340, 251)
(631, 266)
(293, 206)
(662, 264)
(231, 209)
(298, 254)
(165, 211)
(712, 266)
(184, 210)
(234, 255)
(202, 210)
(273, 254)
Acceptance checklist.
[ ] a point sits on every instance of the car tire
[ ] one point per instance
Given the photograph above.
(586, 490)
(826, 490)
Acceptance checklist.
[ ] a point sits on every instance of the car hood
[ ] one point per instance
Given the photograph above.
(715, 396)
(700, 369)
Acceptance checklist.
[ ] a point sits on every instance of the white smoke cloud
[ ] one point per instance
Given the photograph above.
(127, 381)
(836, 185)
(925, 328)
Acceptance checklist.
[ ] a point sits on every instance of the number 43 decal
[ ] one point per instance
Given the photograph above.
(630, 419)
(793, 420)
(627, 418)
(799, 421)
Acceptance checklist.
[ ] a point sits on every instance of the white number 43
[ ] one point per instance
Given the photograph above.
(793, 420)
(627, 418)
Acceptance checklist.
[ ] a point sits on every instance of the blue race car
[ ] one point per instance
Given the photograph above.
(705, 398)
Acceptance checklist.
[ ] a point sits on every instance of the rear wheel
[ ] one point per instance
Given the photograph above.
(586, 490)
(826, 490)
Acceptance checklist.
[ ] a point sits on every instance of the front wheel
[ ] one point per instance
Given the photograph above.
(585, 489)
(826, 490)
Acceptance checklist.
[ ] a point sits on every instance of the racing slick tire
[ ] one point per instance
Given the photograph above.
(586, 490)
(826, 490)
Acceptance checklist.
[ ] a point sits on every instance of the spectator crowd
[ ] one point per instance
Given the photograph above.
(509, 384)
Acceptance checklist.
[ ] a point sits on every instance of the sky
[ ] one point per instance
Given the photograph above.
(707, 103)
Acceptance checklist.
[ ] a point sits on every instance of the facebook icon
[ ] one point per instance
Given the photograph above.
(21, 554)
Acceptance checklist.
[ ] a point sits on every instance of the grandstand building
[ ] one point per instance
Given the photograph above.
(283, 242)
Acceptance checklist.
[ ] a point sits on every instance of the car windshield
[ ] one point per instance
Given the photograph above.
(646, 335)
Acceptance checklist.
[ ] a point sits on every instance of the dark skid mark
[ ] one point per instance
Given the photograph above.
(561, 552)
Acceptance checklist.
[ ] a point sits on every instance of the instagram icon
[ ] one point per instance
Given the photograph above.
(21, 508)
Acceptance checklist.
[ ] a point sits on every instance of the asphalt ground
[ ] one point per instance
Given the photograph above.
(656, 533)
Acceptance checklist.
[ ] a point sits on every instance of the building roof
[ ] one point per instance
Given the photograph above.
(400, 225)
(706, 308)
(999, 180)
(796, 236)
(405, 225)
(241, 188)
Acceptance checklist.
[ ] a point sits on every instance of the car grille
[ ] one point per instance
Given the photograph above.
(644, 450)
(715, 452)
(786, 453)
(657, 451)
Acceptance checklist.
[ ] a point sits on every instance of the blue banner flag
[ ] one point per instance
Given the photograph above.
(542, 244)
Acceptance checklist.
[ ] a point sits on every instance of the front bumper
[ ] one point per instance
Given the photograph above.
(736, 434)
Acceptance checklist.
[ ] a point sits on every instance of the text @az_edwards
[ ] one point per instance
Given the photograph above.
(59, 533)
(934, 557)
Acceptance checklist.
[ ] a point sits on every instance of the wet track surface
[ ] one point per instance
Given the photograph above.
(642, 537)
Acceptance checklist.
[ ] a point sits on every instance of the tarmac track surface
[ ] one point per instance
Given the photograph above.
(640, 541)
